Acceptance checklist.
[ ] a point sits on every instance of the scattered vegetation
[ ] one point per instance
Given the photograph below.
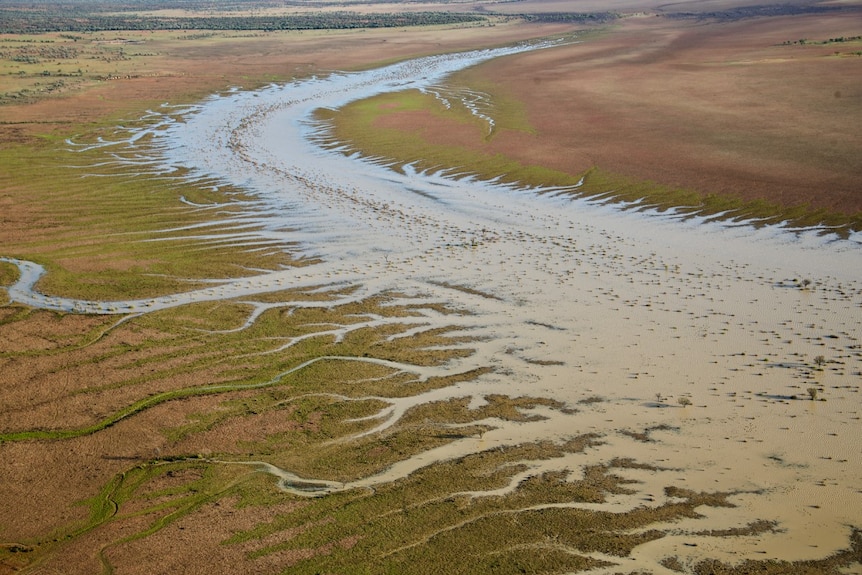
(838, 40)
(644, 436)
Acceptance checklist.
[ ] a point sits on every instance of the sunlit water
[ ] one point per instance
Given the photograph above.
(569, 299)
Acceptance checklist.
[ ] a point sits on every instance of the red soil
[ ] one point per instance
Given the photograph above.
(721, 107)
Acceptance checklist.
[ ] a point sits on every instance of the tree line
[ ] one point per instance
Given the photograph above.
(571, 17)
(23, 22)
(79, 16)
(743, 12)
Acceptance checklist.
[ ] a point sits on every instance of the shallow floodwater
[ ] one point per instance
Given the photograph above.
(572, 300)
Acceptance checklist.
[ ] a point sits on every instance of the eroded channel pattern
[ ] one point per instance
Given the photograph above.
(686, 346)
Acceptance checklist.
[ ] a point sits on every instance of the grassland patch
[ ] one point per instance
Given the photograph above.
(416, 128)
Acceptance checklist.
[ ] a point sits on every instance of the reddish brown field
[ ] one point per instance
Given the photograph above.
(720, 108)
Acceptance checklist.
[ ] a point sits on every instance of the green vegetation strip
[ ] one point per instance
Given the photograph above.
(430, 518)
(310, 360)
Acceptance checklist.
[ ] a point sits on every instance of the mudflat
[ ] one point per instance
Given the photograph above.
(442, 377)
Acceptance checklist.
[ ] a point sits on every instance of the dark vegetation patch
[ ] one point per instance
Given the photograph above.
(753, 528)
(834, 564)
(759, 11)
(572, 17)
(92, 17)
(644, 436)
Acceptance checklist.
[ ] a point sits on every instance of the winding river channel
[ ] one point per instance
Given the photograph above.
(704, 332)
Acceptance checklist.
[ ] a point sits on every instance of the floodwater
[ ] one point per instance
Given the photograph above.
(704, 332)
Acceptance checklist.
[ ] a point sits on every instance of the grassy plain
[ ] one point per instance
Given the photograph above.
(696, 117)
(123, 440)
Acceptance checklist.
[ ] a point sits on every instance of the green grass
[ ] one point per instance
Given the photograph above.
(232, 360)
(8, 273)
(91, 232)
(356, 125)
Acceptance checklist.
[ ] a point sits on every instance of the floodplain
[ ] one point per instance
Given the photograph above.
(425, 313)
